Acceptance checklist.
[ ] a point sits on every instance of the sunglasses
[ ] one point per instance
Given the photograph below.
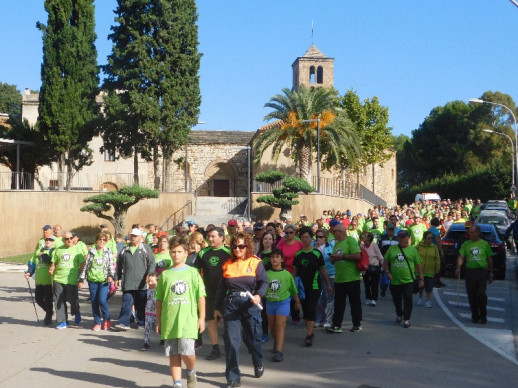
(289, 232)
(49, 239)
(240, 247)
(321, 236)
(67, 238)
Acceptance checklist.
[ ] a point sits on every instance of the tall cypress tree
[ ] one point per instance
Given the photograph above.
(68, 112)
(152, 82)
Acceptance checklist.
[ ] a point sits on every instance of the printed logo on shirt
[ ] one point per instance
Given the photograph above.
(180, 287)
(400, 257)
(304, 262)
(475, 251)
(214, 261)
(99, 260)
(65, 257)
(275, 285)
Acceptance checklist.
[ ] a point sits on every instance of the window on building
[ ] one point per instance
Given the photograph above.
(312, 74)
(109, 155)
(320, 75)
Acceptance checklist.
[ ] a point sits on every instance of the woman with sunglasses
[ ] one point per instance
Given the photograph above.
(237, 301)
(99, 269)
(429, 253)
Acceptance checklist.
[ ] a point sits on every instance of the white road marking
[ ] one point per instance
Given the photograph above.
(493, 308)
(490, 319)
(466, 295)
(499, 340)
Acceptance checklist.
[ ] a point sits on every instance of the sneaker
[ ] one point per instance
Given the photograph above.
(258, 371)
(62, 325)
(191, 380)
(399, 319)
(420, 301)
(197, 345)
(309, 340)
(406, 325)
(428, 304)
(77, 319)
(121, 327)
(368, 302)
(278, 357)
(373, 303)
(96, 328)
(107, 325)
(334, 329)
(214, 354)
(145, 347)
(265, 338)
(356, 329)
(177, 386)
(327, 325)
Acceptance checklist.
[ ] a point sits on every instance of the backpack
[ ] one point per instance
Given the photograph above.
(363, 263)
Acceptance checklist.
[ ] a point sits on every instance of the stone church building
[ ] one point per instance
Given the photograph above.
(218, 164)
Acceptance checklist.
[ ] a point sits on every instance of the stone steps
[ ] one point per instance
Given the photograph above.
(217, 210)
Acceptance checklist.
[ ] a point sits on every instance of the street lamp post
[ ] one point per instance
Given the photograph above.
(318, 149)
(512, 148)
(479, 101)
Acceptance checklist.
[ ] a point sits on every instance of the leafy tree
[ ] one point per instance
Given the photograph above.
(68, 112)
(338, 141)
(285, 196)
(118, 202)
(10, 101)
(152, 82)
(370, 120)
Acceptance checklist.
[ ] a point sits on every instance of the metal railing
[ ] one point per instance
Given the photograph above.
(328, 186)
(369, 196)
(177, 217)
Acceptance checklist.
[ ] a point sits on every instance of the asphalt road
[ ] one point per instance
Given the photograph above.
(441, 348)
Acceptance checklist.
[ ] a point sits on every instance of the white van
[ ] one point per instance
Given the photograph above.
(434, 197)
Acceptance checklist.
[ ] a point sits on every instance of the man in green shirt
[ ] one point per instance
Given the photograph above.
(347, 279)
(67, 261)
(402, 265)
(478, 255)
(417, 230)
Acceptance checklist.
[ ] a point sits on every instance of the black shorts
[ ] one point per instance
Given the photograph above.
(209, 308)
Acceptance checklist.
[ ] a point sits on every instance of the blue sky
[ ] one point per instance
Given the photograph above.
(413, 55)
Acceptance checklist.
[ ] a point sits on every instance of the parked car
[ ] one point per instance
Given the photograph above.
(433, 197)
(496, 218)
(458, 234)
(498, 205)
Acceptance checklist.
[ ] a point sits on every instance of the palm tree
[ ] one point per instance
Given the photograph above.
(291, 108)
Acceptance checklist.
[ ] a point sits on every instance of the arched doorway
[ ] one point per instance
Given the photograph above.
(220, 177)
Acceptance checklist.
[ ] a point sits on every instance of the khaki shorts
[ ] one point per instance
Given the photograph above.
(181, 346)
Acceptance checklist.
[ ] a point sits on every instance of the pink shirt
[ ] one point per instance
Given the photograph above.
(288, 251)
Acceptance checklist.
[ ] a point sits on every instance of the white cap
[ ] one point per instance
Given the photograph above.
(136, 232)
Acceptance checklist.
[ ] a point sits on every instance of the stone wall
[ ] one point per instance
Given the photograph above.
(382, 180)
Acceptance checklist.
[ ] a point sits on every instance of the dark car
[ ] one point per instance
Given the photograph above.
(456, 236)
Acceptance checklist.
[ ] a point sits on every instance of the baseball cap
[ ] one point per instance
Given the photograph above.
(402, 233)
(334, 222)
(47, 227)
(232, 223)
(135, 232)
(258, 226)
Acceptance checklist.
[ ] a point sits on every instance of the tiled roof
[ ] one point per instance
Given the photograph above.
(313, 52)
(221, 137)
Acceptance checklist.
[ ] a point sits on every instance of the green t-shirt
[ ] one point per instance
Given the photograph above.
(416, 233)
(355, 234)
(67, 261)
(346, 271)
(398, 265)
(179, 290)
(96, 271)
(281, 285)
(149, 239)
(163, 260)
(476, 253)
(112, 244)
(377, 233)
(42, 264)
(82, 248)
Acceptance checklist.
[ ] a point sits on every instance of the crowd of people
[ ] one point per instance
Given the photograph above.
(253, 277)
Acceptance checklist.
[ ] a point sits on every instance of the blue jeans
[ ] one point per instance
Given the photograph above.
(326, 304)
(99, 295)
(137, 297)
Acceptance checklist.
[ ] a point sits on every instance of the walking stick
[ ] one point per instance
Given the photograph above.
(33, 303)
(458, 290)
